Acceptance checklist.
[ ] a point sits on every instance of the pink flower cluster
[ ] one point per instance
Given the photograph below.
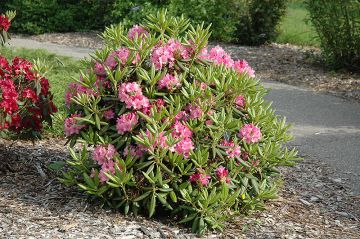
(138, 31)
(76, 89)
(104, 157)
(183, 133)
(240, 101)
(72, 126)
(167, 54)
(219, 56)
(121, 56)
(200, 179)
(232, 150)
(222, 174)
(131, 94)
(133, 151)
(195, 112)
(109, 114)
(169, 82)
(242, 66)
(250, 133)
(126, 122)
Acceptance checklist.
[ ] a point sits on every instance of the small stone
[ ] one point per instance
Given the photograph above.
(314, 199)
(305, 202)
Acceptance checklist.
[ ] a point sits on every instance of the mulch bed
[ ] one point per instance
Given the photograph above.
(313, 203)
(285, 63)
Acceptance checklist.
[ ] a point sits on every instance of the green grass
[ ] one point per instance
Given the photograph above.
(62, 70)
(294, 28)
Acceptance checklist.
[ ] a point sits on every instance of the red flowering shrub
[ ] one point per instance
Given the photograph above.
(173, 126)
(5, 23)
(25, 98)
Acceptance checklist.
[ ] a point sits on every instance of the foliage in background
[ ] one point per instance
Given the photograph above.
(246, 21)
(295, 27)
(222, 15)
(40, 16)
(259, 21)
(338, 26)
(173, 127)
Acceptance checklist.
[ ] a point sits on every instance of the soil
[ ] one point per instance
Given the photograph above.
(289, 64)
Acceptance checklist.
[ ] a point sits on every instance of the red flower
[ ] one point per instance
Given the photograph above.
(4, 23)
(30, 94)
(44, 86)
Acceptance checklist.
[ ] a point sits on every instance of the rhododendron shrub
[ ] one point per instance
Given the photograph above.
(25, 99)
(170, 125)
(5, 23)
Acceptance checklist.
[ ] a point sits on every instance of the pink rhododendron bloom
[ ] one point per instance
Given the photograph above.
(72, 126)
(222, 173)
(108, 167)
(232, 150)
(219, 56)
(76, 89)
(109, 114)
(99, 69)
(199, 178)
(169, 82)
(167, 54)
(240, 101)
(181, 131)
(126, 122)
(131, 94)
(195, 112)
(134, 151)
(102, 154)
(250, 133)
(184, 147)
(242, 66)
(138, 31)
(121, 56)
(209, 122)
(182, 115)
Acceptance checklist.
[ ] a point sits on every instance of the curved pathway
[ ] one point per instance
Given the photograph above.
(326, 127)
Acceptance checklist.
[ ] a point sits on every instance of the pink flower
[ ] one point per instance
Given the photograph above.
(250, 133)
(184, 147)
(76, 89)
(121, 56)
(240, 101)
(160, 141)
(195, 112)
(99, 69)
(169, 82)
(222, 173)
(182, 115)
(108, 167)
(167, 54)
(219, 56)
(102, 154)
(134, 151)
(126, 122)
(241, 66)
(181, 131)
(232, 149)
(72, 126)
(109, 114)
(131, 94)
(199, 178)
(138, 31)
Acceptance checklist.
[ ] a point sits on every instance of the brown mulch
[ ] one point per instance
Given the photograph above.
(285, 63)
(313, 203)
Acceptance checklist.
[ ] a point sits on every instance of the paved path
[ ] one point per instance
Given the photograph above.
(326, 128)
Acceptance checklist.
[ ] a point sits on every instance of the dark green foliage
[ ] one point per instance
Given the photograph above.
(259, 20)
(338, 26)
(40, 16)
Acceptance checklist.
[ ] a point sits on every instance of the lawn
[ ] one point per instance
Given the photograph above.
(294, 29)
(62, 71)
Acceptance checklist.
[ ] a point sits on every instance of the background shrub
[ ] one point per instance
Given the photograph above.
(40, 16)
(246, 21)
(259, 20)
(168, 126)
(338, 26)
